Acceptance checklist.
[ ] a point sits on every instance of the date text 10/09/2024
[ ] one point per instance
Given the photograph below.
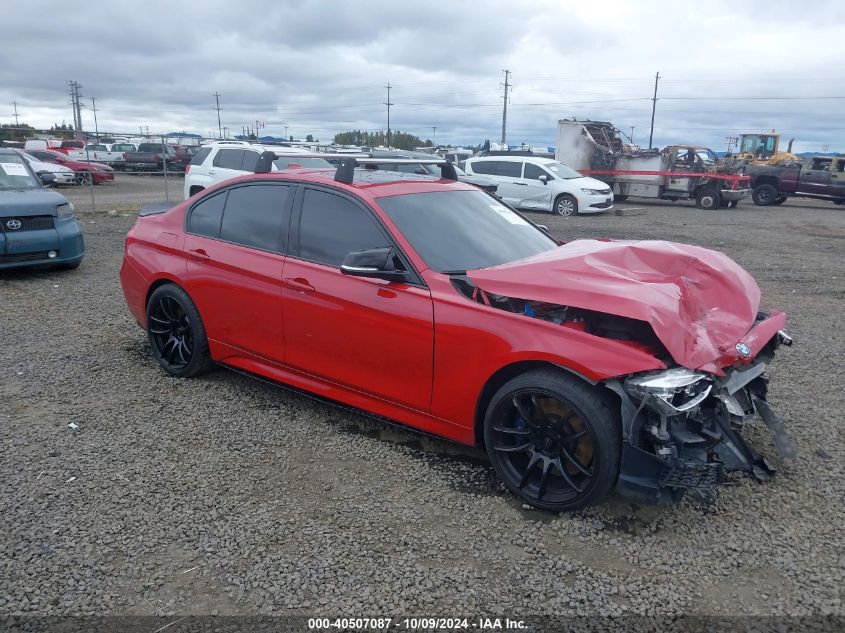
(415, 624)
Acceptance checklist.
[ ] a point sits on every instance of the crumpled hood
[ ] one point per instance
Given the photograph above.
(18, 202)
(699, 302)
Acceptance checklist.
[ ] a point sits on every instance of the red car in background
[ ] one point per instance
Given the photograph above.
(86, 172)
(579, 367)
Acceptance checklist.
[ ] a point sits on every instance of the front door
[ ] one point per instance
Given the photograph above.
(535, 194)
(367, 334)
(815, 178)
(837, 178)
(235, 246)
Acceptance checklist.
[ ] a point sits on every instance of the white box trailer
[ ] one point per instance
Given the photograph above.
(677, 172)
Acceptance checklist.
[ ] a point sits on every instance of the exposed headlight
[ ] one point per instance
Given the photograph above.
(669, 392)
(65, 210)
(592, 192)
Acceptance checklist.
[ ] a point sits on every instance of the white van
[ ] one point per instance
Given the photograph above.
(542, 184)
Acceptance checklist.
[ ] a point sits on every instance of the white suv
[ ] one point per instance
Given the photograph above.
(542, 184)
(222, 160)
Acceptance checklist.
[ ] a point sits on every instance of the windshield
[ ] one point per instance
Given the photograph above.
(286, 162)
(14, 173)
(464, 230)
(562, 171)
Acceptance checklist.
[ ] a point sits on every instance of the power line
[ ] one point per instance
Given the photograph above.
(653, 108)
(388, 104)
(219, 126)
(505, 107)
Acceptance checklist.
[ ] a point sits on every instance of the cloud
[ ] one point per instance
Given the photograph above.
(320, 67)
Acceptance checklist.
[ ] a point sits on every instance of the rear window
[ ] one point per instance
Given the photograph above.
(229, 158)
(508, 169)
(149, 147)
(199, 157)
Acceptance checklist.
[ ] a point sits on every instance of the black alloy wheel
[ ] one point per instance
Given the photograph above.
(764, 195)
(176, 333)
(85, 178)
(554, 442)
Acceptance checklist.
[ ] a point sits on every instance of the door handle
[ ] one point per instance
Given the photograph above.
(199, 255)
(521, 184)
(210, 171)
(299, 284)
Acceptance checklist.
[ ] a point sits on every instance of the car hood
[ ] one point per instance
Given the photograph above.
(699, 302)
(588, 183)
(23, 202)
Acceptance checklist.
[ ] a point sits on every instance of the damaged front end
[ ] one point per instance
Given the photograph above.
(683, 428)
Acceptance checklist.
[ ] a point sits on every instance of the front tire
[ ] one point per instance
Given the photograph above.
(764, 195)
(708, 198)
(85, 178)
(565, 205)
(176, 332)
(553, 440)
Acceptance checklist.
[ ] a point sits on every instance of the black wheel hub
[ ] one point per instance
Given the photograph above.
(546, 447)
(170, 332)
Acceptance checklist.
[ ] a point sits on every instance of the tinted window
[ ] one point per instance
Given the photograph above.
(200, 156)
(229, 158)
(509, 169)
(149, 147)
(464, 230)
(332, 227)
(43, 155)
(484, 167)
(257, 216)
(534, 172)
(249, 161)
(206, 216)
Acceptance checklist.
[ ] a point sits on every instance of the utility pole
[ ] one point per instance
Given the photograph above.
(16, 113)
(94, 108)
(505, 107)
(434, 135)
(219, 127)
(631, 138)
(653, 108)
(388, 104)
(286, 132)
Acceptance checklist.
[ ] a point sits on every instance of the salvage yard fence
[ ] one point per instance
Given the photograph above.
(132, 181)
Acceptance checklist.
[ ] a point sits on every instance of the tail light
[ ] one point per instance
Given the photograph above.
(187, 169)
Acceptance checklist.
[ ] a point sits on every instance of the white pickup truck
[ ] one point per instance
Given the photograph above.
(111, 155)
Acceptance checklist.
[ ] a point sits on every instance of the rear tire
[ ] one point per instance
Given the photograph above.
(565, 205)
(176, 332)
(553, 440)
(85, 178)
(764, 195)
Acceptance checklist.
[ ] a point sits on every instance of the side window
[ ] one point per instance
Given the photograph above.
(821, 164)
(249, 160)
(199, 157)
(331, 227)
(229, 158)
(534, 172)
(257, 216)
(484, 167)
(206, 216)
(509, 169)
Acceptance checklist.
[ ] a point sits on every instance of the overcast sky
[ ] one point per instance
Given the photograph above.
(320, 66)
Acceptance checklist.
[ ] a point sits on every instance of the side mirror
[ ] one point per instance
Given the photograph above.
(46, 178)
(544, 179)
(376, 263)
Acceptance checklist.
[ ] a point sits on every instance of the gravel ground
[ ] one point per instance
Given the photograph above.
(227, 495)
(128, 191)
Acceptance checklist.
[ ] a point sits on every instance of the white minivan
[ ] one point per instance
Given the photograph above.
(542, 184)
(222, 160)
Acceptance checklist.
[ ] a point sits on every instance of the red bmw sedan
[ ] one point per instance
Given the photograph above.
(580, 367)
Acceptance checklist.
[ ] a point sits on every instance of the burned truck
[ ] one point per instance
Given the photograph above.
(677, 172)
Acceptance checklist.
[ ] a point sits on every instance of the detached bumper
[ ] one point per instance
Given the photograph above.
(734, 195)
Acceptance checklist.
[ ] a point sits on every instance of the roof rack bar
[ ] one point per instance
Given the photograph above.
(346, 168)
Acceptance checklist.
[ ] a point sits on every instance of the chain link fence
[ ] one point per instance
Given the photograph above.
(108, 172)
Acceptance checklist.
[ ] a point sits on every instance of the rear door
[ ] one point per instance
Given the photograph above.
(367, 334)
(837, 178)
(506, 174)
(235, 245)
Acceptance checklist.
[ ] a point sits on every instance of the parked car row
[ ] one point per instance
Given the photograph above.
(37, 226)
(141, 157)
